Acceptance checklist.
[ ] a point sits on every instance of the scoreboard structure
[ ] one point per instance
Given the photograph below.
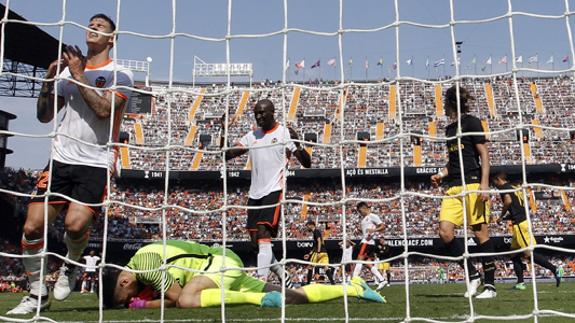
(140, 103)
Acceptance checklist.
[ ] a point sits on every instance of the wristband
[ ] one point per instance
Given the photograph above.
(441, 174)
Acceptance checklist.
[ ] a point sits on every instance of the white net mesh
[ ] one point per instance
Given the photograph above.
(168, 152)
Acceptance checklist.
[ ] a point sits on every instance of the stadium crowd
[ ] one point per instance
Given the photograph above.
(366, 107)
(195, 212)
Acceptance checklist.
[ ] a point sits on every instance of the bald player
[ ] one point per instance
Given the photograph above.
(269, 148)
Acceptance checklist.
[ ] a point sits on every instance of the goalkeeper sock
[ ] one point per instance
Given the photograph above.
(265, 257)
(213, 297)
(320, 293)
(488, 262)
(518, 268)
(76, 246)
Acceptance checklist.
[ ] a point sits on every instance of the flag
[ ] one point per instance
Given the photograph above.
(366, 64)
(316, 64)
(565, 59)
(488, 61)
(350, 62)
(474, 60)
(550, 60)
(380, 62)
(519, 59)
(503, 60)
(458, 62)
(287, 65)
(300, 65)
(483, 68)
(331, 62)
(439, 62)
(533, 59)
(427, 62)
(409, 61)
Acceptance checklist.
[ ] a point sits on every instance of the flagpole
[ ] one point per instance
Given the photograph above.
(474, 65)
(491, 65)
(351, 70)
(366, 66)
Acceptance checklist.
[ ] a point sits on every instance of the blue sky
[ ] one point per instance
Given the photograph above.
(208, 18)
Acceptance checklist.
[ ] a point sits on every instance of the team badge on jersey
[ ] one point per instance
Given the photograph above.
(100, 81)
(274, 140)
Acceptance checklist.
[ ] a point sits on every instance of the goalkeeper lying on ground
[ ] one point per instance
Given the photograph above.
(187, 289)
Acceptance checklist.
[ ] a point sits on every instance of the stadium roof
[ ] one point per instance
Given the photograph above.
(27, 43)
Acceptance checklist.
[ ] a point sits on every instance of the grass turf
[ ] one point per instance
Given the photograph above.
(443, 302)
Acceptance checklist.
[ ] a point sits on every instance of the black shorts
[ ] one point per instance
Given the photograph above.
(367, 250)
(92, 275)
(269, 216)
(83, 183)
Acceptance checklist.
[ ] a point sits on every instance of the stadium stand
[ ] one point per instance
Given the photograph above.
(546, 102)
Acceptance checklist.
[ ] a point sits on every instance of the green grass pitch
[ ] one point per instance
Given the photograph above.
(442, 302)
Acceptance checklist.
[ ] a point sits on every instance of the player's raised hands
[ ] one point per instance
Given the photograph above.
(74, 59)
(293, 135)
(53, 68)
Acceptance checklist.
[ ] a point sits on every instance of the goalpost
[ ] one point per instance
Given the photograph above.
(409, 273)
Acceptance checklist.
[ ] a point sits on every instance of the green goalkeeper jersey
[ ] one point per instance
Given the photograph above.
(183, 254)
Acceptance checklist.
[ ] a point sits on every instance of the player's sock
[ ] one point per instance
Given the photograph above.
(543, 262)
(488, 262)
(329, 273)
(213, 297)
(32, 265)
(320, 293)
(84, 288)
(455, 249)
(518, 268)
(377, 274)
(265, 257)
(388, 274)
(76, 246)
(310, 273)
(277, 269)
(357, 270)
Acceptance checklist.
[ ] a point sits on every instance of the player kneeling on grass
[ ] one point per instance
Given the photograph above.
(514, 210)
(191, 289)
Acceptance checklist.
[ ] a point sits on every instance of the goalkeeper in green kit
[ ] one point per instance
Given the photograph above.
(195, 281)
